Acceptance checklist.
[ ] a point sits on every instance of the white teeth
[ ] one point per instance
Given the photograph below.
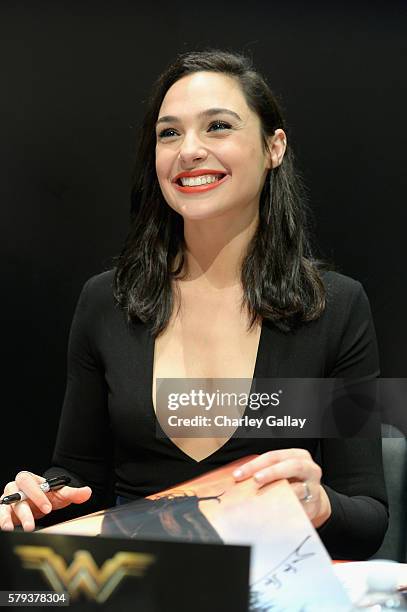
(191, 181)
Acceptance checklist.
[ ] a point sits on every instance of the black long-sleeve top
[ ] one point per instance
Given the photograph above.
(107, 433)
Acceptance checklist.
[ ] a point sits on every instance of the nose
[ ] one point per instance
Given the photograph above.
(192, 150)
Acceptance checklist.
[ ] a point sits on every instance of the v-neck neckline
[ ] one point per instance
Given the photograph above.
(257, 373)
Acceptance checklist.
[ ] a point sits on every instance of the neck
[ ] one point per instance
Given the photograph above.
(215, 248)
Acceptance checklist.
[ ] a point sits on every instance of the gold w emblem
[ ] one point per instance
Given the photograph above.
(83, 575)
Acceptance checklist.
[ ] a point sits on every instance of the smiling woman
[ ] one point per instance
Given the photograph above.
(231, 152)
(212, 114)
(216, 281)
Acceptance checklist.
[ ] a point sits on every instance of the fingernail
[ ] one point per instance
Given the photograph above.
(27, 526)
(7, 527)
(259, 477)
(46, 508)
(238, 473)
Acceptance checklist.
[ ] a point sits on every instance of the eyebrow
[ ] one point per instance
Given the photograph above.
(209, 112)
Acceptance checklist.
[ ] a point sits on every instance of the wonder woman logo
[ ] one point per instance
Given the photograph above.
(83, 575)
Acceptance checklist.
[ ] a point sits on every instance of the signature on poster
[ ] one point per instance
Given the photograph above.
(263, 589)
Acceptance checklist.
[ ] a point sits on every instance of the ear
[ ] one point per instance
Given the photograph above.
(277, 145)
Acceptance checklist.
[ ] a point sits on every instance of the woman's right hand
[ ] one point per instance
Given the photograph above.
(38, 503)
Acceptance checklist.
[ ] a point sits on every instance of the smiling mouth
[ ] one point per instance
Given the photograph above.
(196, 181)
(201, 183)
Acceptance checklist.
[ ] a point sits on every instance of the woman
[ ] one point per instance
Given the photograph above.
(216, 280)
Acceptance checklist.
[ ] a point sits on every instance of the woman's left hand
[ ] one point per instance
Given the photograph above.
(303, 474)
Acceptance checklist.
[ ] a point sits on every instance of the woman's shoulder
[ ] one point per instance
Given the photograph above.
(97, 293)
(338, 284)
(100, 284)
(97, 310)
(348, 327)
(343, 294)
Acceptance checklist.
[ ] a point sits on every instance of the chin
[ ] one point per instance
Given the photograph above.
(194, 212)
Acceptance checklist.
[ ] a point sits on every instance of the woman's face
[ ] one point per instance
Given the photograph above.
(209, 153)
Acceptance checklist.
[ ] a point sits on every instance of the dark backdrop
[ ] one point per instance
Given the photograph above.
(74, 77)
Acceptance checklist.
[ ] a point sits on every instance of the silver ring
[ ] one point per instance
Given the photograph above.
(307, 493)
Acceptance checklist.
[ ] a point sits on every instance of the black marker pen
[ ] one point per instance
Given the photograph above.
(52, 483)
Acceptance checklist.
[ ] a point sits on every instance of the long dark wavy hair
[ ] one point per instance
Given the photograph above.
(279, 276)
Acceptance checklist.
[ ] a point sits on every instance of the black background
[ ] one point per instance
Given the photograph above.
(74, 80)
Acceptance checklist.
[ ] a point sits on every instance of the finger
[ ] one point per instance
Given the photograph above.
(81, 495)
(28, 482)
(267, 459)
(6, 522)
(21, 510)
(70, 495)
(291, 468)
(305, 491)
(309, 496)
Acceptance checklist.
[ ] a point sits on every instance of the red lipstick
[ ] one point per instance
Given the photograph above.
(198, 188)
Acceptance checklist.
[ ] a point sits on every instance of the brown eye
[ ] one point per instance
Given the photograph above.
(167, 133)
(222, 125)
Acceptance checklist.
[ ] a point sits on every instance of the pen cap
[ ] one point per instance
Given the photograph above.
(58, 481)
